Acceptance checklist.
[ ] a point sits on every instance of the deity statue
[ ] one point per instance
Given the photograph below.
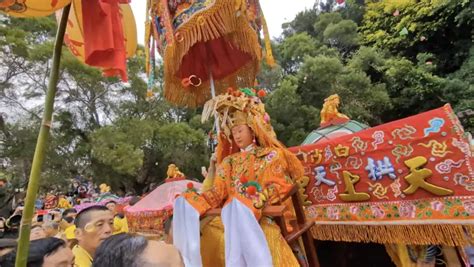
(104, 188)
(329, 113)
(173, 172)
(253, 170)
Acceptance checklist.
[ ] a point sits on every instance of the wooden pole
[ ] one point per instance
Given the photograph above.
(28, 212)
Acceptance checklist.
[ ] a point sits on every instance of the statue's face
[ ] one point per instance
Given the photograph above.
(242, 135)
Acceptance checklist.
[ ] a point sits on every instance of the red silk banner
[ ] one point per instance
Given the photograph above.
(417, 171)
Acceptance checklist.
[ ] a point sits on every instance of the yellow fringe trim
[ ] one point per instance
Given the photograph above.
(196, 96)
(439, 234)
(268, 44)
(147, 39)
(470, 233)
(220, 20)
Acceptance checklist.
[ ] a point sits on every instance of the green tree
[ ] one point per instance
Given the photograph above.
(342, 35)
(291, 119)
(139, 151)
(394, 75)
(17, 144)
(334, 31)
(293, 49)
(323, 21)
(120, 145)
(317, 77)
(303, 22)
(354, 10)
(184, 146)
(363, 99)
(369, 60)
(442, 28)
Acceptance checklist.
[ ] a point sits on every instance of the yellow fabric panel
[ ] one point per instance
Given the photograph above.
(31, 8)
(213, 248)
(451, 257)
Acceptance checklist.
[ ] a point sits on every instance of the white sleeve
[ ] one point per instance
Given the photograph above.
(186, 232)
(245, 242)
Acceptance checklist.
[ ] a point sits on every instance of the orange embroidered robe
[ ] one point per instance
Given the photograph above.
(246, 176)
(263, 169)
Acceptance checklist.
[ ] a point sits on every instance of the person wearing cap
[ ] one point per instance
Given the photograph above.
(39, 204)
(253, 170)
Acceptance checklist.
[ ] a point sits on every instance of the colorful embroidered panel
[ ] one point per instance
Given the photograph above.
(148, 222)
(200, 39)
(417, 170)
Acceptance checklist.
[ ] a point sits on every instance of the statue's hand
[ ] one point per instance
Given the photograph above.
(204, 172)
(213, 159)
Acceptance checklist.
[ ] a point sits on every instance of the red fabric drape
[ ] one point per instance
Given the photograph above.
(104, 37)
(220, 57)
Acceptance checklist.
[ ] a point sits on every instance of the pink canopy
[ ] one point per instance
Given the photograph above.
(150, 213)
(162, 197)
(101, 201)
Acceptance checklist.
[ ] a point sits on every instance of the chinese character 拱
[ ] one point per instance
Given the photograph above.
(376, 172)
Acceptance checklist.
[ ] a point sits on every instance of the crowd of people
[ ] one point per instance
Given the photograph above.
(95, 236)
(84, 227)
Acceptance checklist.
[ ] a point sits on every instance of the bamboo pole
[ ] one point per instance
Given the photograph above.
(28, 212)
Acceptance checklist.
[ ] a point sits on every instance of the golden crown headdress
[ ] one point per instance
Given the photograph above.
(237, 107)
(244, 106)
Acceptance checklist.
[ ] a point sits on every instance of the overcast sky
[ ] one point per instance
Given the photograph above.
(276, 13)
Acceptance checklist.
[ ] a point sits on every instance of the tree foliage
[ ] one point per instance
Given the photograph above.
(442, 28)
(386, 59)
(102, 127)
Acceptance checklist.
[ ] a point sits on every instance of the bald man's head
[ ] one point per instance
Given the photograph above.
(84, 217)
(125, 250)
